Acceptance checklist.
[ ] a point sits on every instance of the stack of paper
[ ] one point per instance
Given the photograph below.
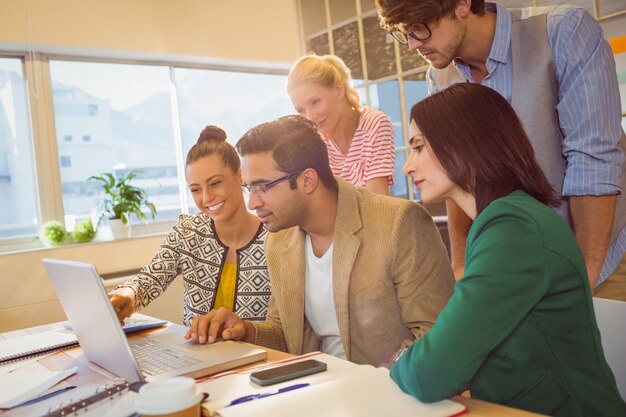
(20, 386)
(344, 389)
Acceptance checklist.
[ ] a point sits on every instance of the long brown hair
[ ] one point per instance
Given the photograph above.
(212, 141)
(480, 143)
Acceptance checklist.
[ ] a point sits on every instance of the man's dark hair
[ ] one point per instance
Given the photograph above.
(295, 145)
(403, 14)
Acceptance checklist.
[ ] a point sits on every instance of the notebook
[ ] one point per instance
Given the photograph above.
(38, 344)
(136, 323)
(89, 311)
(23, 347)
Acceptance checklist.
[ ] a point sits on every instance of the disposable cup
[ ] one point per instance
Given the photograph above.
(174, 397)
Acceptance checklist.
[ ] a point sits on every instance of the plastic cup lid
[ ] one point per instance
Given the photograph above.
(167, 396)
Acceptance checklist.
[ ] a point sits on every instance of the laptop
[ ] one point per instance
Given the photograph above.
(89, 311)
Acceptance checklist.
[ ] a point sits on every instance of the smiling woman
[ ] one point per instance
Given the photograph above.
(208, 248)
(360, 140)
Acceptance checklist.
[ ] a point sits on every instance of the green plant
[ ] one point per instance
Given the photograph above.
(83, 232)
(122, 199)
(52, 233)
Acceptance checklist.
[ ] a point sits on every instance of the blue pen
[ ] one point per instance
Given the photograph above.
(46, 396)
(265, 394)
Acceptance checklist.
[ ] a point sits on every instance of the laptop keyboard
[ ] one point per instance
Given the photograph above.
(155, 358)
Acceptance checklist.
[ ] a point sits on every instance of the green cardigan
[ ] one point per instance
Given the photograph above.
(520, 329)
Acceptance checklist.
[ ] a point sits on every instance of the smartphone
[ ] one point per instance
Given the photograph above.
(286, 372)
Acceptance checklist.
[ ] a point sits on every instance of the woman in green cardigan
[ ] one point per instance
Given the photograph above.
(520, 329)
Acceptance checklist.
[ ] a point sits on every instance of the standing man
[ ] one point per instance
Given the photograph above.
(354, 274)
(554, 66)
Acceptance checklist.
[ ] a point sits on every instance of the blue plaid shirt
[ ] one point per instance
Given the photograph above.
(589, 105)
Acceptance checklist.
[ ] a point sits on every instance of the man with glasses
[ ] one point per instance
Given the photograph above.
(555, 68)
(354, 274)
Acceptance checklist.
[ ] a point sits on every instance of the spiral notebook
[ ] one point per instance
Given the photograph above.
(18, 348)
(114, 399)
(24, 347)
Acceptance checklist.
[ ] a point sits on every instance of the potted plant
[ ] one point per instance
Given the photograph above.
(121, 200)
(83, 232)
(53, 233)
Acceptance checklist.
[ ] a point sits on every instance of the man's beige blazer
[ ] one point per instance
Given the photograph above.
(391, 277)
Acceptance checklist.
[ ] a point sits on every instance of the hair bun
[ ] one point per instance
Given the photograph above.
(212, 134)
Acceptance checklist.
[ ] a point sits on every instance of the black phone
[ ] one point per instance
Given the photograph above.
(286, 372)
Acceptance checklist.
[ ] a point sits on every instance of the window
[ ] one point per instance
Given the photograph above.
(113, 117)
(66, 162)
(19, 215)
(128, 107)
(234, 101)
(92, 109)
(385, 96)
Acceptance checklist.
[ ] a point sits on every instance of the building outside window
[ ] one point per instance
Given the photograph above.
(127, 108)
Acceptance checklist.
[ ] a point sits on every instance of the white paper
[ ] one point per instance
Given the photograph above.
(21, 386)
(9, 367)
(364, 392)
(223, 390)
(345, 389)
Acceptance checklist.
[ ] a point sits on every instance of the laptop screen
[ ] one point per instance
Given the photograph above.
(89, 311)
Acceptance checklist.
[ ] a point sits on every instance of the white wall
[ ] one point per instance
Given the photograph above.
(28, 299)
(254, 30)
(614, 27)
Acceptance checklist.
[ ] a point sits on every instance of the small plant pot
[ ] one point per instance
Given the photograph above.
(119, 230)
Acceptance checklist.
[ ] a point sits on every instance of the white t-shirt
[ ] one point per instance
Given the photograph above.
(319, 305)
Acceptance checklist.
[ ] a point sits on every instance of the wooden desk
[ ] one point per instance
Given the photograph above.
(89, 372)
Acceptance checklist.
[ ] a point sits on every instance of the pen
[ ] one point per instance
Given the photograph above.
(46, 396)
(265, 394)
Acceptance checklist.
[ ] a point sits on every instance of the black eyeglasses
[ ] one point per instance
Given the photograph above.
(421, 32)
(261, 188)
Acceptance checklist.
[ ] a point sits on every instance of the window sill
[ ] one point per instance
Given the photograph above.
(138, 231)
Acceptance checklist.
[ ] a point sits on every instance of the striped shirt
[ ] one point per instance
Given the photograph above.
(371, 153)
(588, 102)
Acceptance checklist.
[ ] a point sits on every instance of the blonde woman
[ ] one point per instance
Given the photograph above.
(359, 139)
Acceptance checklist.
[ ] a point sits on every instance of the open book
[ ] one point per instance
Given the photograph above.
(344, 389)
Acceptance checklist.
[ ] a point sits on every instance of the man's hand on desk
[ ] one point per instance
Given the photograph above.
(221, 322)
(123, 301)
